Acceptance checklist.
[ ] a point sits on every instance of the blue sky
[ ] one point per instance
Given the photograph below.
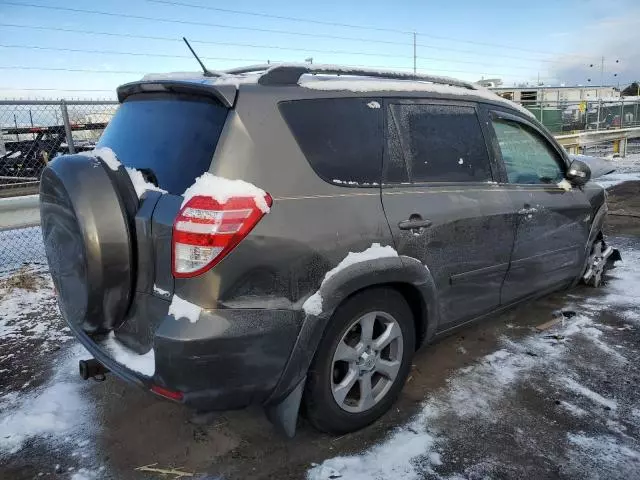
(512, 40)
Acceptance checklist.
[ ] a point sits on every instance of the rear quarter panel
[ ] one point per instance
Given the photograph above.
(312, 224)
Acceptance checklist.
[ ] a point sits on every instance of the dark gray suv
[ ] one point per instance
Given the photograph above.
(290, 235)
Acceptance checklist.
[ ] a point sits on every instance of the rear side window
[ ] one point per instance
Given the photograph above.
(170, 138)
(435, 143)
(340, 137)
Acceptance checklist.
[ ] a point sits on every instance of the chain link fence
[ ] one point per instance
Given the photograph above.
(576, 116)
(32, 133)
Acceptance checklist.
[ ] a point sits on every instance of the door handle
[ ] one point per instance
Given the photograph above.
(414, 224)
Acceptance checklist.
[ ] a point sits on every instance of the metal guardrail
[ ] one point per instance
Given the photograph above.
(577, 142)
(19, 212)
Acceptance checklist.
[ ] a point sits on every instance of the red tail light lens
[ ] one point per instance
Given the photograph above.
(206, 230)
(166, 393)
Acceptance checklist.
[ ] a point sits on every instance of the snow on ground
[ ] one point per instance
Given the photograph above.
(627, 168)
(486, 398)
(30, 327)
(19, 247)
(54, 411)
(42, 399)
(20, 299)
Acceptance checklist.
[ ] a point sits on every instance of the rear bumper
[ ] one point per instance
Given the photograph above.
(228, 359)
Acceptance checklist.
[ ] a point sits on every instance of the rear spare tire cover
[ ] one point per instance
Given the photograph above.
(87, 236)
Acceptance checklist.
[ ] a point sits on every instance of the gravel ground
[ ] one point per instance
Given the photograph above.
(499, 399)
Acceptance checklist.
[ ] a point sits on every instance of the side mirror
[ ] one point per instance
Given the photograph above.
(579, 173)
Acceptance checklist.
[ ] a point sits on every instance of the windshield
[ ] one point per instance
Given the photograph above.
(170, 138)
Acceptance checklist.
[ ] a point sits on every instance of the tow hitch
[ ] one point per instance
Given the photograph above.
(92, 369)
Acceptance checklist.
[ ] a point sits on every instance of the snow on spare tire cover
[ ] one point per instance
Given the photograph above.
(90, 259)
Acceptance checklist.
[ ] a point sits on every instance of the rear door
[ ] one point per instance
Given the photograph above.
(442, 204)
(553, 219)
(170, 138)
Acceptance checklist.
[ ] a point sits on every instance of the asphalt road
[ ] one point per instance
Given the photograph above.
(499, 399)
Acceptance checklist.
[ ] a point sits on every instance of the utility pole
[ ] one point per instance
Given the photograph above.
(602, 70)
(414, 53)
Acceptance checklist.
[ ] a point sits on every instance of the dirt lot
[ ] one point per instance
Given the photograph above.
(497, 400)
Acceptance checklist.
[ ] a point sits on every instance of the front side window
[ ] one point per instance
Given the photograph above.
(527, 158)
(435, 143)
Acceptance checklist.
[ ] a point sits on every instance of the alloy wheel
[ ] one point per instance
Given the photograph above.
(366, 361)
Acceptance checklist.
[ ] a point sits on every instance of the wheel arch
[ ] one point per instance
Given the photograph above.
(406, 275)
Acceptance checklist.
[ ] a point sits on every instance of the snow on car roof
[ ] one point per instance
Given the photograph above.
(198, 77)
(329, 80)
(370, 84)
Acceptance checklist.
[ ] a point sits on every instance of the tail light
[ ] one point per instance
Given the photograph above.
(206, 230)
(166, 393)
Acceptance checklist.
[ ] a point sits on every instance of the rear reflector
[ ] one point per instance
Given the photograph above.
(205, 231)
(163, 392)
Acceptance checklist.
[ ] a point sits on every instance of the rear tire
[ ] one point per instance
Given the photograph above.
(355, 377)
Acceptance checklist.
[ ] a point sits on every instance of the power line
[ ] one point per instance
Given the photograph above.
(263, 46)
(484, 54)
(63, 69)
(280, 17)
(264, 30)
(348, 25)
(164, 55)
(115, 52)
(137, 72)
(202, 24)
(58, 89)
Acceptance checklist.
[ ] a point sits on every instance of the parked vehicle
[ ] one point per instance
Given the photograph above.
(34, 147)
(292, 234)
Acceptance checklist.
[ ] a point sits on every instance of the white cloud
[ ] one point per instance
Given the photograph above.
(614, 38)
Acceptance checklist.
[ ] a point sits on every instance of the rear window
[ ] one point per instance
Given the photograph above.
(435, 143)
(340, 137)
(170, 138)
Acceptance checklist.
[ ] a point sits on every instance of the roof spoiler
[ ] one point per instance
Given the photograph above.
(225, 94)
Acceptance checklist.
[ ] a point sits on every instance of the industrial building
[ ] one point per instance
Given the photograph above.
(552, 96)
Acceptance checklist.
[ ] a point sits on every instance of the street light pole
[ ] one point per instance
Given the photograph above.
(414, 53)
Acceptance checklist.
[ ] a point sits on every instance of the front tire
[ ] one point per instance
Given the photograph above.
(597, 263)
(362, 361)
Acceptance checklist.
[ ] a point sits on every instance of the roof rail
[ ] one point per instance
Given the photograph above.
(249, 69)
(290, 74)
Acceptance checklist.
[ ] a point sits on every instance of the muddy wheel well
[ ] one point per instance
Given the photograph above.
(418, 308)
(415, 301)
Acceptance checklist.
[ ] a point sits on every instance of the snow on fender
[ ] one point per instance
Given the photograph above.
(313, 304)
